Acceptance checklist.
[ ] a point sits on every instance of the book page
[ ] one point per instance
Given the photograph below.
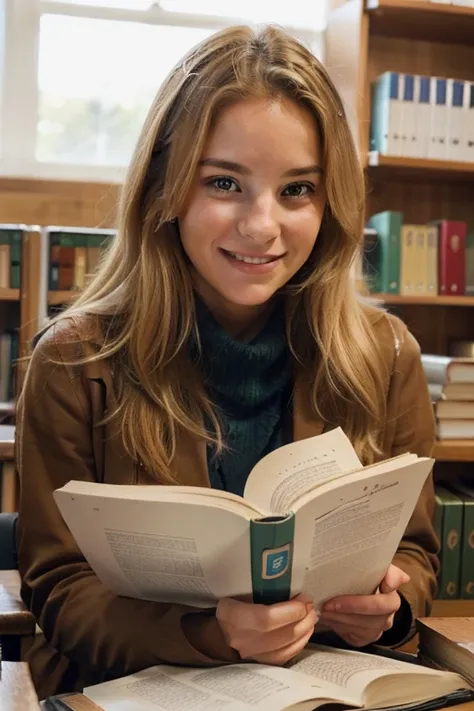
(189, 552)
(280, 478)
(229, 688)
(374, 680)
(346, 537)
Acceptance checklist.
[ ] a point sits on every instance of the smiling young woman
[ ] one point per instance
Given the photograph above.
(226, 315)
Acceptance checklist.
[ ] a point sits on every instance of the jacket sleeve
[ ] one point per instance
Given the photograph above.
(414, 431)
(101, 632)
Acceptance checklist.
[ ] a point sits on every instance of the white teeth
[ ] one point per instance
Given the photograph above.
(251, 260)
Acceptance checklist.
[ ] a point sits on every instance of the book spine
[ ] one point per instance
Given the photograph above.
(432, 259)
(408, 144)
(54, 261)
(386, 114)
(5, 266)
(407, 259)
(395, 114)
(452, 259)
(421, 257)
(467, 554)
(438, 119)
(371, 260)
(15, 256)
(448, 582)
(422, 112)
(271, 553)
(455, 124)
(469, 286)
(388, 225)
(469, 124)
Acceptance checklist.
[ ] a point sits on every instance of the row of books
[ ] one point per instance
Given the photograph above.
(10, 256)
(423, 117)
(451, 384)
(460, 3)
(425, 259)
(8, 357)
(454, 524)
(74, 255)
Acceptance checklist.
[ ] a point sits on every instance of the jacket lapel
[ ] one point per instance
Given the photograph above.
(189, 464)
(306, 422)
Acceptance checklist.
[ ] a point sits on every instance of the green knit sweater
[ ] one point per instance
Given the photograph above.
(250, 385)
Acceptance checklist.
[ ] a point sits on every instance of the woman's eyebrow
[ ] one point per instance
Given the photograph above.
(238, 168)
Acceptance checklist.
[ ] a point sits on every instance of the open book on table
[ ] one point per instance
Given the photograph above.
(317, 677)
(312, 519)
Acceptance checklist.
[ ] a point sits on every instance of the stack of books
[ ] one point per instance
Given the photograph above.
(418, 259)
(423, 117)
(451, 384)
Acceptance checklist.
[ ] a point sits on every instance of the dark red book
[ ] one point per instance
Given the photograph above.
(451, 257)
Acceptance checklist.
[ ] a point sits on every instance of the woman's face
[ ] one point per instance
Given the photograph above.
(256, 205)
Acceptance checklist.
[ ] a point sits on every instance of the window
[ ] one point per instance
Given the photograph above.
(91, 111)
(88, 70)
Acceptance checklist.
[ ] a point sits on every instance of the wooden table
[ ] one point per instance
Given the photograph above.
(16, 688)
(15, 619)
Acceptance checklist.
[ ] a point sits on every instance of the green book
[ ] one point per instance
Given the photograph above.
(469, 288)
(450, 554)
(310, 520)
(465, 491)
(371, 260)
(12, 235)
(388, 226)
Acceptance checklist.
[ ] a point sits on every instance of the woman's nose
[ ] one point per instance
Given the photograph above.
(260, 222)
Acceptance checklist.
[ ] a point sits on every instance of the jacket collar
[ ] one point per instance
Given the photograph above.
(190, 461)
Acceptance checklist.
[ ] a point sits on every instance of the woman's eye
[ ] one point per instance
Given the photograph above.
(224, 184)
(298, 190)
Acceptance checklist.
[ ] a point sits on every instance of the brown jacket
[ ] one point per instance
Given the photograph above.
(89, 633)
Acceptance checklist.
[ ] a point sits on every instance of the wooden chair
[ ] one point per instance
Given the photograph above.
(16, 622)
(9, 490)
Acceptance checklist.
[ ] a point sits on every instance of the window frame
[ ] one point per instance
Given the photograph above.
(20, 35)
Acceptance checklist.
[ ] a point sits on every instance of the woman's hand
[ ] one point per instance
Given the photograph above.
(270, 634)
(362, 619)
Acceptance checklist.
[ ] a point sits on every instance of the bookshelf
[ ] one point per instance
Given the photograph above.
(44, 202)
(424, 300)
(57, 298)
(414, 168)
(454, 450)
(9, 294)
(364, 39)
(421, 20)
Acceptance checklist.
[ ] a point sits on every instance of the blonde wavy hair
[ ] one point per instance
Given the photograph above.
(143, 289)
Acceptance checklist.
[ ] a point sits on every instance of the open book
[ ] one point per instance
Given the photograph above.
(312, 519)
(448, 642)
(317, 677)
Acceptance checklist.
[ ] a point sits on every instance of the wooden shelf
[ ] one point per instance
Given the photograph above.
(414, 168)
(454, 450)
(56, 298)
(424, 300)
(453, 608)
(9, 294)
(416, 19)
